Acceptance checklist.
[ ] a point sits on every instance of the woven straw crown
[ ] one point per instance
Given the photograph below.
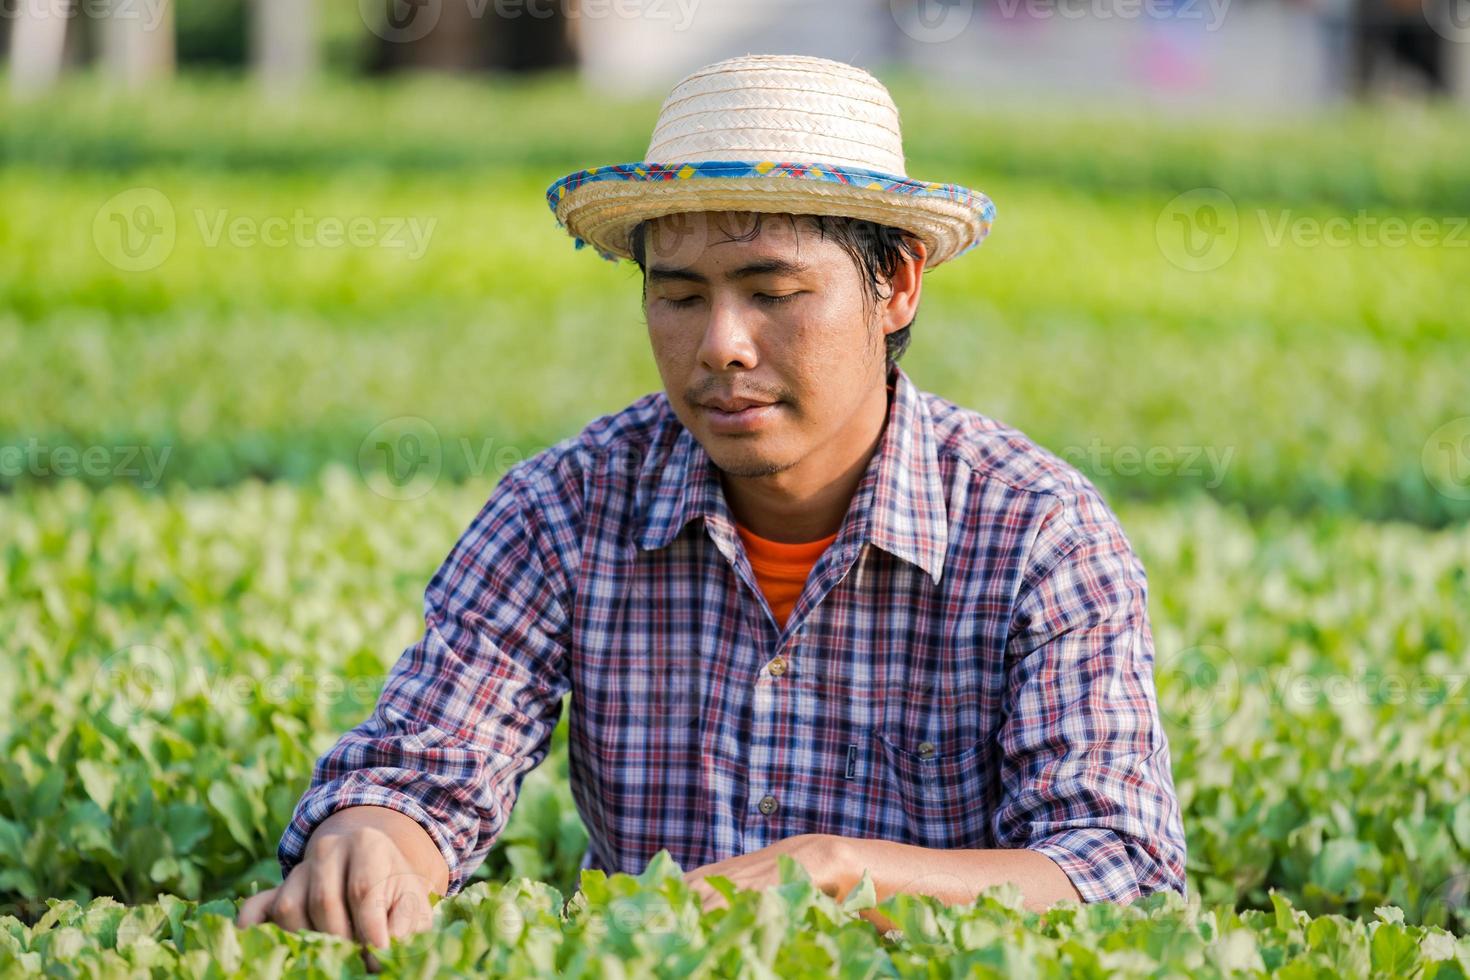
(780, 108)
(778, 134)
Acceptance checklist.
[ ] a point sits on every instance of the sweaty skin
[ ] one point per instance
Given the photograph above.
(806, 338)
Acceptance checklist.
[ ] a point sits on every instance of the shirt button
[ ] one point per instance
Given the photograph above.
(926, 750)
(767, 805)
(777, 667)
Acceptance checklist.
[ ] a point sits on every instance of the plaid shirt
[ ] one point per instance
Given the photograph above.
(969, 666)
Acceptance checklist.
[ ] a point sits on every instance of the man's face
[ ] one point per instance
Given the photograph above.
(779, 319)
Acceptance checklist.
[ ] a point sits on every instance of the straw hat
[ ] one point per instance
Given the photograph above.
(772, 133)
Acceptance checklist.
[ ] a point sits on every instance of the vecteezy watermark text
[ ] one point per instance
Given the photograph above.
(38, 459)
(150, 12)
(137, 230)
(303, 230)
(406, 21)
(1368, 688)
(1200, 230)
(1363, 230)
(1211, 12)
(1208, 462)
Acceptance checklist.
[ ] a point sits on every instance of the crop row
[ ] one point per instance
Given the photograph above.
(652, 925)
(1314, 378)
(177, 661)
(1350, 158)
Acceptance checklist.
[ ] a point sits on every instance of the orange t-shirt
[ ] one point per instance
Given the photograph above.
(781, 569)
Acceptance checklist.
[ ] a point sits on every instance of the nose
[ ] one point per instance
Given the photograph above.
(727, 341)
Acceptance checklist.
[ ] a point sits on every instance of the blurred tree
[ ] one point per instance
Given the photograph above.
(473, 35)
(211, 32)
(138, 42)
(284, 43)
(37, 43)
(1395, 38)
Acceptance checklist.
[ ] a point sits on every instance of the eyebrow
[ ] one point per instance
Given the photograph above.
(762, 267)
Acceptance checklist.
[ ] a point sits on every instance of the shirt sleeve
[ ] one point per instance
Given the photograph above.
(468, 709)
(1085, 772)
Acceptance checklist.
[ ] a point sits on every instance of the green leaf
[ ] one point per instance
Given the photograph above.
(186, 825)
(723, 885)
(660, 867)
(217, 936)
(862, 895)
(1395, 953)
(99, 780)
(230, 802)
(1460, 824)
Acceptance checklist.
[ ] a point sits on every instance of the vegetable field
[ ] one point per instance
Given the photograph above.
(229, 464)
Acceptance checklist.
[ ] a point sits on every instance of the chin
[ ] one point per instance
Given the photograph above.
(749, 463)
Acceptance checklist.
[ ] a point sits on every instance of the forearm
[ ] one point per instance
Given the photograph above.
(955, 877)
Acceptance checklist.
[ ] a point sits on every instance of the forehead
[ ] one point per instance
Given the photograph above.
(693, 239)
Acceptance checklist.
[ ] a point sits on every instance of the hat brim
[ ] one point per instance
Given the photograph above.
(599, 207)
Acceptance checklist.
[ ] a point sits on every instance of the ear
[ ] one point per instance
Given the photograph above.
(897, 310)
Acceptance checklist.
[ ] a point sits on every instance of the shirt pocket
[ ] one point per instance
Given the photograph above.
(939, 789)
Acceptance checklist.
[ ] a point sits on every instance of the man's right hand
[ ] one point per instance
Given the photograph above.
(366, 874)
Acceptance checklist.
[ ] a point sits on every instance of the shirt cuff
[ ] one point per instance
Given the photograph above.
(1096, 862)
(322, 801)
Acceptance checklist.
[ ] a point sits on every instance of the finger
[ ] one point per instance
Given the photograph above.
(370, 891)
(411, 912)
(325, 897)
(253, 912)
(289, 909)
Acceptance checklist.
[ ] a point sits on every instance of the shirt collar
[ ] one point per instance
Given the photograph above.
(899, 504)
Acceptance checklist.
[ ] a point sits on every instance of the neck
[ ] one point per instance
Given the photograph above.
(808, 501)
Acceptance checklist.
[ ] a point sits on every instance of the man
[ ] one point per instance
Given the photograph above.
(801, 606)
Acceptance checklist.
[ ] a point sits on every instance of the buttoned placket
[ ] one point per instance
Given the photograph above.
(773, 687)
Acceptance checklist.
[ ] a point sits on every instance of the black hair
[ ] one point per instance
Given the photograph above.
(876, 250)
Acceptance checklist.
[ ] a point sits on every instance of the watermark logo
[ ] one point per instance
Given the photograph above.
(404, 457)
(1446, 459)
(136, 230)
(1199, 230)
(1199, 687)
(679, 240)
(137, 682)
(932, 21)
(401, 458)
(1450, 19)
(401, 21)
(1449, 903)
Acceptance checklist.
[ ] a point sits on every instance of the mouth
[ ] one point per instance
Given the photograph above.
(743, 415)
(735, 404)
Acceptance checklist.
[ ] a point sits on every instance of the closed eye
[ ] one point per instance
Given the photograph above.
(766, 298)
(777, 300)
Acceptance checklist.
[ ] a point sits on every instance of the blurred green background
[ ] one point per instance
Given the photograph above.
(208, 568)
